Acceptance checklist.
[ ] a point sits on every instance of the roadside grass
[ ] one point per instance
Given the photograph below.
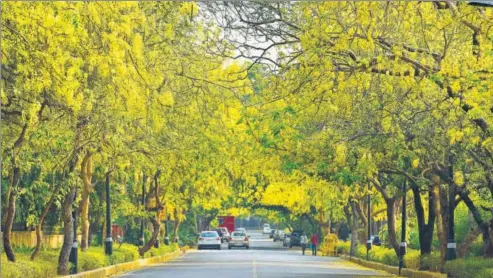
(470, 267)
(45, 265)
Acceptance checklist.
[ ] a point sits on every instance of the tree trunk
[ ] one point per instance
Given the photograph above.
(354, 230)
(391, 224)
(425, 230)
(468, 240)
(485, 228)
(156, 224)
(68, 233)
(8, 227)
(443, 224)
(41, 219)
(86, 172)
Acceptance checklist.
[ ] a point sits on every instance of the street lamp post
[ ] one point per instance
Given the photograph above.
(109, 239)
(73, 257)
(403, 245)
(368, 242)
(166, 239)
(141, 239)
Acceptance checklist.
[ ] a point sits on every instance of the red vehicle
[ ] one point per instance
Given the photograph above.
(227, 222)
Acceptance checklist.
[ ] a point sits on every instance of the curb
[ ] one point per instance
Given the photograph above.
(128, 266)
(406, 272)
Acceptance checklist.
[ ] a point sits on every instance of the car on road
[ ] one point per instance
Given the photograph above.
(286, 239)
(238, 239)
(266, 229)
(375, 240)
(295, 238)
(272, 233)
(209, 239)
(278, 235)
(241, 230)
(224, 233)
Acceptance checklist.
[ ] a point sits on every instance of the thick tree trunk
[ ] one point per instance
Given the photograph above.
(442, 226)
(354, 230)
(156, 224)
(68, 233)
(425, 230)
(391, 224)
(86, 172)
(485, 228)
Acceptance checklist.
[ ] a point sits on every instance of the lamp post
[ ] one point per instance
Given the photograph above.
(368, 242)
(108, 250)
(166, 239)
(403, 245)
(141, 238)
(73, 257)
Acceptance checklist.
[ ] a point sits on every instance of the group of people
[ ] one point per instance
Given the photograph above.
(313, 243)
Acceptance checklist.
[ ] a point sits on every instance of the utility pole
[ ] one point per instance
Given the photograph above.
(451, 245)
(141, 239)
(368, 242)
(73, 257)
(166, 239)
(403, 245)
(108, 250)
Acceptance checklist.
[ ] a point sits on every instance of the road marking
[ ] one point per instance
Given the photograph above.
(254, 268)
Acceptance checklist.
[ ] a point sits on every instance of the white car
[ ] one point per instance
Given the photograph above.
(209, 239)
(241, 230)
(267, 229)
(238, 239)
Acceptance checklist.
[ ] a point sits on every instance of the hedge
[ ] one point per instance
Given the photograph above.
(45, 265)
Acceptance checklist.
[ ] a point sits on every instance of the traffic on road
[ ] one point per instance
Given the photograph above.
(255, 255)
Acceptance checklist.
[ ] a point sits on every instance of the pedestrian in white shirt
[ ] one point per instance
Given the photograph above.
(303, 241)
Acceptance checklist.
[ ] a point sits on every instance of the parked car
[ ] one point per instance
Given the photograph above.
(224, 233)
(238, 239)
(266, 229)
(295, 238)
(278, 235)
(209, 239)
(241, 230)
(375, 240)
(286, 239)
(272, 233)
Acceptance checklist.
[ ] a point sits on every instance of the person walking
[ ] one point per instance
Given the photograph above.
(303, 241)
(314, 242)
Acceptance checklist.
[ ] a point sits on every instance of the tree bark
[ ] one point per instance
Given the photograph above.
(156, 224)
(41, 219)
(9, 221)
(391, 224)
(10, 212)
(442, 226)
(68, 233)
(425, 230)
(86, 173)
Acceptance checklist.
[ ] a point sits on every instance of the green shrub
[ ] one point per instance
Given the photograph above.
(25, 268)
(412, 259)
(469, 268)
(431, 262)
(343, 247)
(131, 252)
(92, 258)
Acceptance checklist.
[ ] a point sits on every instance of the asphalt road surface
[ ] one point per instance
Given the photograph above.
(264, 259)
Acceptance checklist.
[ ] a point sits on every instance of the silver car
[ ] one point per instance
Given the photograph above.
(209, 239)
(239, 239)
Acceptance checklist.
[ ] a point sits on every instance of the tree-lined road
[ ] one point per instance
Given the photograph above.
(264, 259)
